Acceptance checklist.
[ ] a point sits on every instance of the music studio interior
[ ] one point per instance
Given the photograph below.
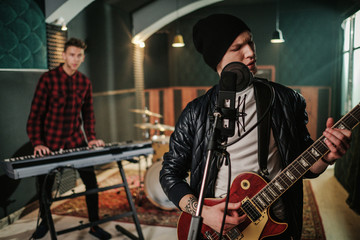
(141, 82)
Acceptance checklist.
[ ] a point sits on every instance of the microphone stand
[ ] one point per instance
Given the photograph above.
(226, 112)
(196, 220)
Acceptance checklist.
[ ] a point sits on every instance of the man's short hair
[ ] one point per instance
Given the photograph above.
(76, 43)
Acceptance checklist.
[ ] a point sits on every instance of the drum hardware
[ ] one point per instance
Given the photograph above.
(137, 196)
(160, 139)
(160, 144)
(149, 185)
(156, 126)
(146, 112)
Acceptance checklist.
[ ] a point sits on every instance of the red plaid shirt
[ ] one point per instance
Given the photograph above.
(60, 105)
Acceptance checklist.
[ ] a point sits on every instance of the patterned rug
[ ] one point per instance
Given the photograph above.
(312, 223)
(114, 202)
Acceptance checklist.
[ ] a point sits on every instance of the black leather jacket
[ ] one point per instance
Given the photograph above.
(188, 148)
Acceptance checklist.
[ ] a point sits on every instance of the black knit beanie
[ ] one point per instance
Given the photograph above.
(214, 34)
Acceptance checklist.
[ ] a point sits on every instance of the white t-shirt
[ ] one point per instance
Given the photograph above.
(244, 153)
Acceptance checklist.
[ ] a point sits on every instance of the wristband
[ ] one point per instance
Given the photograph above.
(328, 162)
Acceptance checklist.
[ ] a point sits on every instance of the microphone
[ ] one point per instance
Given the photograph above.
(226, 104)
(235, 76)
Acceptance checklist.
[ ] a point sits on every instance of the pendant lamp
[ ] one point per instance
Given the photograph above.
(178, 39)
(277, 36)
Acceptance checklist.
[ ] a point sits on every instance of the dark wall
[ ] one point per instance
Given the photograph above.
(156, 62)
(106, 30)
(22, 47)
(310, 56)
(108, 64)
(16, 92)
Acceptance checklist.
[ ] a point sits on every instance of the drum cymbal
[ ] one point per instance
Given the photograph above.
(146, 112)
(160, 139)
(157, 126)
(144, 125)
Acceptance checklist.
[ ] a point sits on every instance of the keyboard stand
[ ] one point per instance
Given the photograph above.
(50, 222)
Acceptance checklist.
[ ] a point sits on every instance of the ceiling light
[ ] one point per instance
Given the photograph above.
(138, 42)
(277, 36)
(178, 41)
(141, 44)
(61, 22)
(63, 27)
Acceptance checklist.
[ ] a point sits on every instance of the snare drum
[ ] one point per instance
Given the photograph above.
(153, 189)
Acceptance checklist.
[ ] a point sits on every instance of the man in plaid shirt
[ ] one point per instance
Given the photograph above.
(61, 106)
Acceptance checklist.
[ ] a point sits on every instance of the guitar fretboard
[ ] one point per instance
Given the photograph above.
(293, 172)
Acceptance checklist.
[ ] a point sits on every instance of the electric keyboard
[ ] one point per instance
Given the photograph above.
(28, 166)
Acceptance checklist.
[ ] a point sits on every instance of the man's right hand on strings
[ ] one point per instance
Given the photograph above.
(213, 216)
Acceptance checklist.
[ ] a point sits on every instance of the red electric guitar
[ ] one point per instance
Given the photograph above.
(256, 195)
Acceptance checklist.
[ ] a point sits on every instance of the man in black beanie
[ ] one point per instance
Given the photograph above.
(213, 35)
(225, 40)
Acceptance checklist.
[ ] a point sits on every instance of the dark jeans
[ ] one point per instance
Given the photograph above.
(88, 177)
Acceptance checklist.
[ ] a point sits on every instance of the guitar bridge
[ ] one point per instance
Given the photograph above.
(251, 210)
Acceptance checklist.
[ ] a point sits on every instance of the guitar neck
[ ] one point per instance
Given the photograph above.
(293, 172)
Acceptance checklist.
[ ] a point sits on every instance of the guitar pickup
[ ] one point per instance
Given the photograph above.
(254, 214)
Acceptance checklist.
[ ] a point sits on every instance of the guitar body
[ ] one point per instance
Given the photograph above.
(244, 185)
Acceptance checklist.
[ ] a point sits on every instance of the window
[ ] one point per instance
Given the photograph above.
(351, 63)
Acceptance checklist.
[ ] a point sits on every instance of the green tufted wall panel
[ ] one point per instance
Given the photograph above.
(22, 35)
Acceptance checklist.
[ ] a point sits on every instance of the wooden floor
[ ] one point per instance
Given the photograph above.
(340, 222)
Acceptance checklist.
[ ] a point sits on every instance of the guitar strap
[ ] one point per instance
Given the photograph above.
(263, 96)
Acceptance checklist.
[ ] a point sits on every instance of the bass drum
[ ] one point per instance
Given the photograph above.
(153, 189)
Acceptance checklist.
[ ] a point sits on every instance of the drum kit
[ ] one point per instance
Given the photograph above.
(160, 144)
